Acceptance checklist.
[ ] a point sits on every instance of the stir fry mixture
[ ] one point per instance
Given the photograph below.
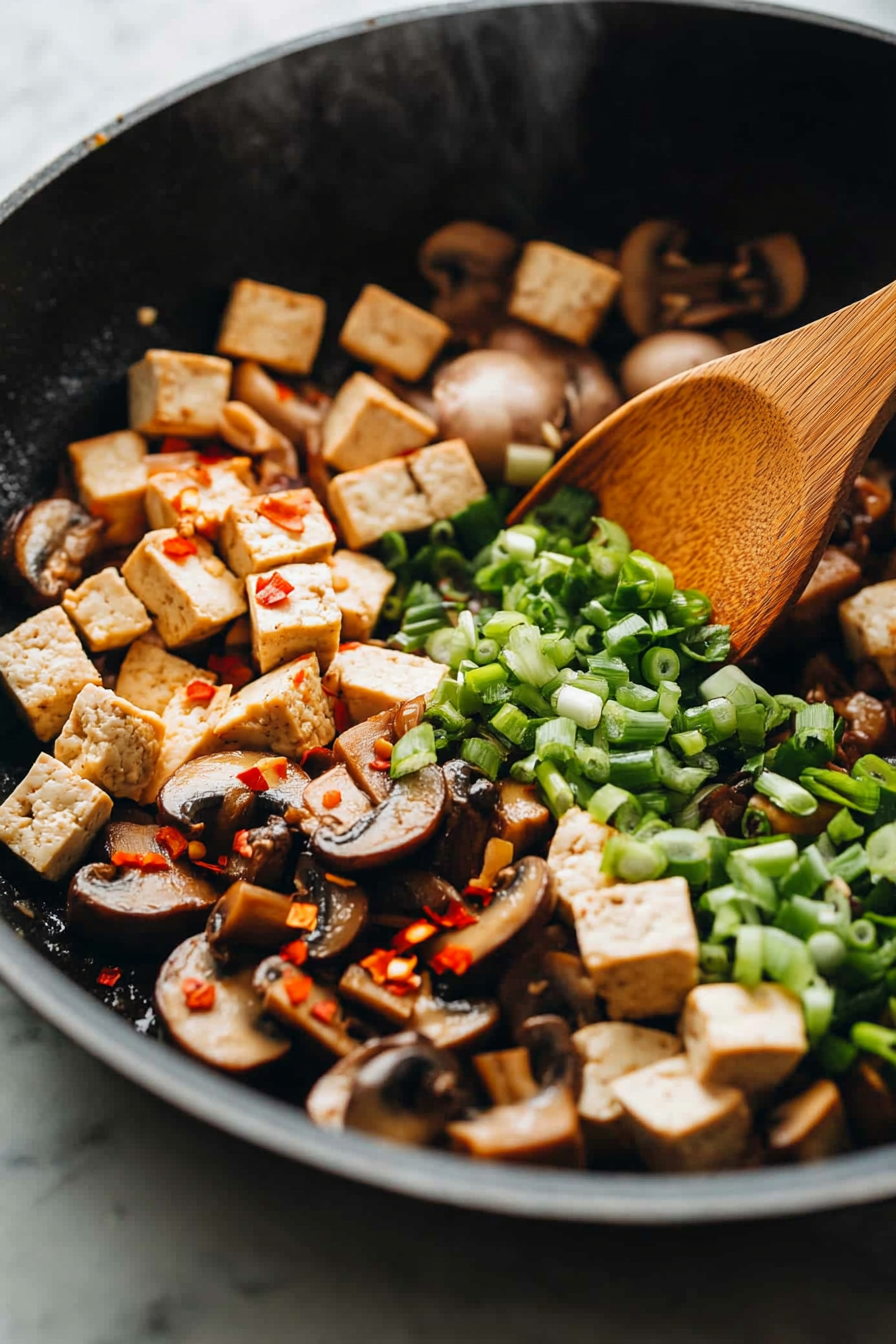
(471, 826)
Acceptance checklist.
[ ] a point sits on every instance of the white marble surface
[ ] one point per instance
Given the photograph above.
(123, 1222)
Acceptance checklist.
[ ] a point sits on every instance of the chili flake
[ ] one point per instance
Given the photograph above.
(349, 645)
(284, 393)
(377, 964)
(341, 716)
(332, 798)
(415, 933)
(149, 862)
(297, 988)
(298, 678)
(171, 444)
(272, 589)
(258, 778)
(480, 891)
(286, 513)
(340, 881)
(325, 1011)
(295, 952)
(302, 915)
(199, 994)
(379, 765)
(172, 840)
(219, 867)
(452, 958)
(241, 844)
(201, 475)
(200, 691)
(109, 975)
(231, 669)
(401, 987)
(178, 548)
(454, 916)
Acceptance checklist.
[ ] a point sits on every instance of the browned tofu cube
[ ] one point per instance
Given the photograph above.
(272, 325)
(383, 329)
(361, 585)
(371, 501)
(747, 1038)
(678, 1123)
(201, 495)
(448, 476)
(610, 1050)
(110, 472)
(575, 858)
(562, 292)
(368, 423)
(170, 392)
(868, 623)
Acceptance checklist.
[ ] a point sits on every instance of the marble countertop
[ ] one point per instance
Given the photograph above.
(124, 1222)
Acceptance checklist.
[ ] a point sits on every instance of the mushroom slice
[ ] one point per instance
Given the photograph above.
(552, 1052)
(131, 837)
(506, 1075)
(520, 817)
(526, 900)
(362, 989)
(548, 980)
(411, 891)
(328, 1098)
(136, 908)
(870, 1104)
(211, 785)
(45, 547)
(407, 1093)
(469, 264)
(452, 1024)
(355, 749)
(298, 1002)
(471, 802)
(341, 908)
(393, 830)
(263, 854)
(810, 1126)
(589, 392)
(249, 916)
(333, 799)
(288, 412)
(232, 1033)
(782, 823)
(543, 1130)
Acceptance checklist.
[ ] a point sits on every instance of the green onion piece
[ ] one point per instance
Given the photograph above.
(518, 545)
(669, 696)
(687, 854)
(614, 670)
(593, 762)
(586, 681)
(860, 795)
(527, 697)
(729, 683)
(481, 752)
(480, 679)
(660, 664)
(632, 860)
(597, 614)
(880, 848)
(447, 645)
(874, 767)
(556, 740)
(772, 860)
(807, 875)
(818, 1009)
(861, 936)
(727, 922)
(448, 718)
(558, 648)
(511, 723)
(627, 637)
(486, 651)
(804, 917)
(499, 626)
(557, 793)
(754, 823)
(683, 779)
(413, 751)
(688, 607)
(612, 535)
(524, 771)
(758, 887)
(715, 966)
(633, 727)
(633, 770)
(478, 524)
(790, 797)
(827, 950)
(842, 828)
(751, 725)
(689, 743)
(643, 582)
(393, 550)
(468, 702)
(523, 655)
(875, 1040)
(850, 863)
(813, 730)
(606, 801)
(633, 696)
(786, 960)
(748, 955)
(581, 706)
(717, 719)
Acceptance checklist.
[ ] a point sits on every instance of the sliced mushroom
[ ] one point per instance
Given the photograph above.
(249, 916)
(543, 1130)
(868, 726)
(407, 1093)
(664, 354)
(355, 750)
(392, 831)
(548, 980)
(232, 1034)
(136, 908)
(520, 818)
(360, 987)
(553, 1055)
(328, 1098)
(469, 265)
(525, 901)
(291, 414)
(263, 855)
(471, 802)
(317, 1014)
(278, 469)
(783, 823)
(341, 908)
(333, 799)
(506, 1075)
(130, 834)
(452, 1024)
(208, 791)
(810, 1126)
(870, 1104)
(410, 891)
(45, 548)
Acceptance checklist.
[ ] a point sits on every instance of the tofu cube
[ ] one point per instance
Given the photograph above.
(810, 1126)
(639, 942)
(747, 1038)
(448, 476)
(252, 540)
(191, 596)
(383, 329)
(189, 725)
(562, 292)
(170, 392)
(610, 1050)
(276, 326)
(307, 620)
(106, 612)
(575, 856)
(110, 472)
(868, 622)
(150, 676)
(371, 501)
(680, 1124)
(201, 494)
(111, 742)
(172, 459)
(367, 423)
(50, 819)
(44, 667)
(286, 711)
(370, 679)
(361, 585)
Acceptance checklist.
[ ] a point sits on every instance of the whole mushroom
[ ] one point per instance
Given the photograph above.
(589, 392)
(469, 265)
(664, 354)
(407, 1093)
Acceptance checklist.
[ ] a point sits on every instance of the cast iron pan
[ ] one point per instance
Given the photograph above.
(321, 166)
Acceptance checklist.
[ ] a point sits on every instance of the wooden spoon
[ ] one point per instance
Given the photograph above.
(734, 473)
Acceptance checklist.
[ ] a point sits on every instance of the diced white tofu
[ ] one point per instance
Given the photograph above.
(383, 329)
(106, 612)
(562, 292)
(747, 1038)
(189, 720)
(809, 1127)
(367, 423)
(170, 392)
(448, 476)
(150, 675)
(372, 501)
(678, 1123)
(639, 942)
(370, 679)
(43, 667)
(305, 620)
(171, 459)
(575, 857)
(50, 819)
(276, 326)
(285, 711)
(191, 595)
(361, 585)
(868, 622)
(110, 472)
(111, 742)
(284, 529)
(200, 495)
(610, 1050)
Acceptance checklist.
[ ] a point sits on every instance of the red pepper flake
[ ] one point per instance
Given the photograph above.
(219, 867)
(332, 798)
(271, 589)
(178, 548)
(149, 862)
(284, 393)
(454, 916)
(231, 669)
(377, 964)
(241, 844)
(297, 987)
(341, 716)
(349, 645)
(201, 475)
(452, 958)
(379, 765)
(415, 933)
(214, 454)
(175, 445)
(325, 1011)
(480, 892)
(200, 691)
(297, 680)
(339, 881)
(265, 775)
(289, 514)
(199, 994)
(401, 987)
(109, 975)
(295, 952)
(172, 840)
(302, 915)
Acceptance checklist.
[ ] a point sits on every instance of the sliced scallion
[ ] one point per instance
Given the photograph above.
(413, 751)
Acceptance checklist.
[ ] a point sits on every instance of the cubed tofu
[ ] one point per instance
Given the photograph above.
(678, 1123)
(448, 476)
(276, 326)
(106, 612)
(110, 472)
(191, 596)
(50, 819)
(868, 622)
(307, 620)
(609, 1051)
(639, 942)
(189, 724)
(372, 501)
(252, 540)
(201, 494)
(172, 459)
(150, 676)
(809, 1127)
(370, 679)
(562, 292)
(367, 423)
(361, 585)
(286, 711)
(383, 329)
(43, 667)
(747, 1038)
(111, 742)
(170, 392)
(575, 856)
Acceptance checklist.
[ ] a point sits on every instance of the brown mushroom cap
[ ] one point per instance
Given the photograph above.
(778, 258)
(231, 1035)
(355, 750)
(328, 1098)
(471, 801)
(136, 909)
(44, 549)
(318, 800)
(341, 909)
(334, 1033)
(407, 1093)
(209, 787)
(640, 261)
(543, 1130)
(520, 818)
(526, 900)
(783, 823)
(391, 831)
(409, 891)
(452, 1024)
(665, 354)
(292, 415)
(589, 392)
(555, 1059)
(271, 846)
(469, 264)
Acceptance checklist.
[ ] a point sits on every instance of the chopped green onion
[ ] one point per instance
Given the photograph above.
(632, 860)
(634, 696)
(660, 664)
(834, 1055)
(518, 545)
(880, 848)
(499, 626)
(874, 767)
(687, 854)
(558, 795)
(807, 875)
(861, 795)
(786, 960)
(818, 1009)
(606, 801)
(751, 725)
(683, 779)
(748, 955)
(772, 860)
(628, 637)
(875, 1040)
(483, 753)
(633, 770)
(643, 582)
(842, 828)
(413, 751)
(729, 683)
(861, 936)
(480, 679)
(556, 740)
(689, 743)
(827, 950)
(850, 863)
(714, 963)
(633, 727)
(614, 670)
(670, 695)
(581, 706)
(524, 771)
(511, 723)
(523, 655)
